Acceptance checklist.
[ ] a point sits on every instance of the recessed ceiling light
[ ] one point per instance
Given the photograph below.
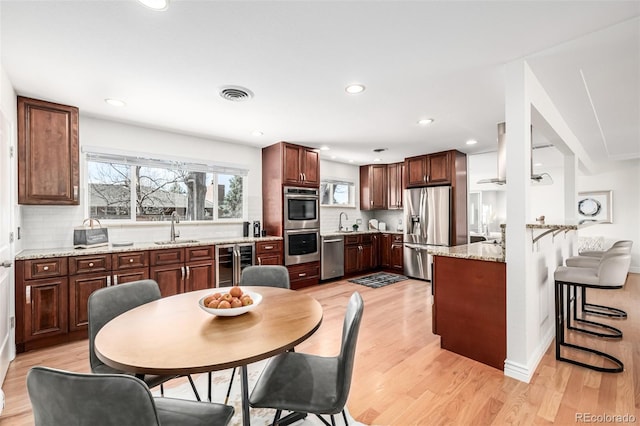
(351, 161)
(324, 148)
(538, 164)
(425, 121)
(115, 102)
(257, 133)
(158, 5)
(354, 89)
(333, 157)
(376, 159)
(472, 142)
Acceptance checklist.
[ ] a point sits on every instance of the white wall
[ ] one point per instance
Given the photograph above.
(624, 181)
(52, 226)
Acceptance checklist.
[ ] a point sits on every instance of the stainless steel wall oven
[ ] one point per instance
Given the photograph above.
(301, 246)
(301, 208)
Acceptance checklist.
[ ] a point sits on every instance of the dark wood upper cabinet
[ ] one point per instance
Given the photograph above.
(373, 187)
(48, 153)
(395, 177)
(426, 170)
(300, 166)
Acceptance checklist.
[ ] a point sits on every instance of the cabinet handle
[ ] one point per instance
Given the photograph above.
(428, 178)
(182, 270)
(259, 261)
(302, 274)
(301, 178)
(115, 280)
(131, 260)
(46, 268)
(28, 295)
(188, 272)
(108, 281)
(268, 247)
(304, 176)
(75, 192)
(90, 264)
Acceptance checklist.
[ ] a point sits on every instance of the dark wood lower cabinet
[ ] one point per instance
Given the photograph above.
(80, 288)
(470, 309)
(304, 275)
(200, 277)
(46, 313)
(170, 278)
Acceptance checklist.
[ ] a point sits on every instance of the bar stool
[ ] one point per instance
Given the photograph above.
(591, 259)
(611, 274)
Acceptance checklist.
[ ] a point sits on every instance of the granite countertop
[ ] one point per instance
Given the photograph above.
(110, 248)
(367, 231)
(555, 227)
(477, 251)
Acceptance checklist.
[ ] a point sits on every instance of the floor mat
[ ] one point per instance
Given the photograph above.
(379, 279)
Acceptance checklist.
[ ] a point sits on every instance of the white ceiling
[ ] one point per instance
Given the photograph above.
(438, 59)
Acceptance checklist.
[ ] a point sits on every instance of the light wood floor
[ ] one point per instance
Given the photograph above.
(402, 376)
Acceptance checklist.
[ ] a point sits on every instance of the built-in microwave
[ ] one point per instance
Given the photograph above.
(301, 246)
(301, 208)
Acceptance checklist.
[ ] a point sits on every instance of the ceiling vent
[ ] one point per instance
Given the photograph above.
(236, 93)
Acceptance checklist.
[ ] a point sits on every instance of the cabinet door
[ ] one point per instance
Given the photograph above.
(395, 184)
(200, 276)
(304, 275)
(416, 171)
(396, 257)
(170, 278)
(351, 256)
(48, 154)
(292, 169)
(80, 288)
(129, 275)
(269, 259)
(46, 309)
(366, 257)
(438, 168)
(310, 167)
(269, 252)
(385, 250)
(375, 250)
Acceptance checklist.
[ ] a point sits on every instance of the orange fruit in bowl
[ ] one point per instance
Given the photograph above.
(235, 292)
(224, 305)
(213, 304)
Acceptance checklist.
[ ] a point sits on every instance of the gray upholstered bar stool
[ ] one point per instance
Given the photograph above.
(611, 274)
(591, 259)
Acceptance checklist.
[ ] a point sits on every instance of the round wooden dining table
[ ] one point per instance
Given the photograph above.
(173, 335)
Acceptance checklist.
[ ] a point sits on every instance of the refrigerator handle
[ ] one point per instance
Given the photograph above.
(424, 215)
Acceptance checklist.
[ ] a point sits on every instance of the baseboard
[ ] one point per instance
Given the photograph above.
(634, 269)
(5, 357)
(522, 372)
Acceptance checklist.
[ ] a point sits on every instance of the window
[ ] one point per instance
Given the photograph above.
(134, 188)
(337, 193)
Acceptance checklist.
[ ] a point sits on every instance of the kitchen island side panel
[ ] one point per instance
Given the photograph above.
(470, 303)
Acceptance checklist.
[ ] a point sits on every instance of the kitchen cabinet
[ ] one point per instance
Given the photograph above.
(395, 179)
(304, 275)
(48, 153)
(269, 253)
(301, 166)
(358, 253)
(391, 253)
(42, 289)
(177, 270)
(373, 187)
(86, 275)
(426, 170)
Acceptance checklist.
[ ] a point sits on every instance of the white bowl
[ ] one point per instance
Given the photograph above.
(231, 312)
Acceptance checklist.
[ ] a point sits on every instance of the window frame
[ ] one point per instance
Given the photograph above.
(132, 159)
(351, 193)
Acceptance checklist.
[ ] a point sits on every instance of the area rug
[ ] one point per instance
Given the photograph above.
(379, 279)
(259, 416)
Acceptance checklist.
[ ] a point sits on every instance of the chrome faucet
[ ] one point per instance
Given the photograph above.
(340, 220)
(174, 219)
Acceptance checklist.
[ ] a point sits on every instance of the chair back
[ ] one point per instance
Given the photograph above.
(613, 269)
(266, 276)
(350, 329)
(107, 303)
(624, 243)
(63, 398)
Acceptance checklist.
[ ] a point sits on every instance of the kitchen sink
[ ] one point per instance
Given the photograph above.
(163, 243)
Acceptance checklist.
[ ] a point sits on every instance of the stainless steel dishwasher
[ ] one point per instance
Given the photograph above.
(332, 257)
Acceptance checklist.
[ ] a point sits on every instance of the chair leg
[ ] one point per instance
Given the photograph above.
(602, 310)
(613, 333)
(344, 416)
(326, 422)
(210, 377)
(161, 390)
(276, 417)
(193, 386)
(233, 374)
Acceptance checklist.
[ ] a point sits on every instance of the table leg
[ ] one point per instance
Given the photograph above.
(246, 421)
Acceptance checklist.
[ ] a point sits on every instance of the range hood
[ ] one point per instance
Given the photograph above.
(542, 179)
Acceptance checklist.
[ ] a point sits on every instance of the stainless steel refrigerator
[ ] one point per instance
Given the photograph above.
(427, 218)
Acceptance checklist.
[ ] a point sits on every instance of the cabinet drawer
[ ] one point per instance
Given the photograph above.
(268, 247)
(88, 264)
(304, 271)
(129, 260)
(199, 253)
(167, 256)
(45, 268)
(352, 239)
(366, 238)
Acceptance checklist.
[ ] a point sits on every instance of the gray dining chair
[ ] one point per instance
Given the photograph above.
(259, 276)
(64, 398)
(109, 302)
(313, 384)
